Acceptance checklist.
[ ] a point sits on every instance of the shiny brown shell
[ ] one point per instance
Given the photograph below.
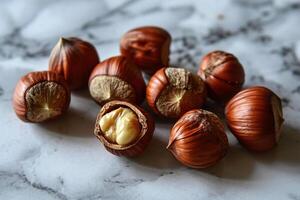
(28, 81)
(147, 129)
(74, 59)
(254, 116)
(148, 47)
(158, 83)
(223, 75)
(198, 139)
(124, 69)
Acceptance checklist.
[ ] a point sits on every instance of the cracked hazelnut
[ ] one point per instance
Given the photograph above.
(148, 47)
(223, 75)
(173, 91)
(123, 128)
(120, 126)
(74, 59)
(255, 117)
(40, 96)
(117, 78)
(198, 139)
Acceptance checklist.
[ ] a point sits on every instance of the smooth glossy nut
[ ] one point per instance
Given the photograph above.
(255, 117)
(223, 75)
(198, 139)
(74, 59)
(148, 47)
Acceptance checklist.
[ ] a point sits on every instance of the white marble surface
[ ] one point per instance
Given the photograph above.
(62, 160)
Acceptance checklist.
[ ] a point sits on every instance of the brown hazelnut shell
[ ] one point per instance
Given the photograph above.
(198, 139)
(223, 74)
(157, 83)
(29, 80)
(148, 47)
(147, 129)
(74, 59)
(124, 69)
(254, 116)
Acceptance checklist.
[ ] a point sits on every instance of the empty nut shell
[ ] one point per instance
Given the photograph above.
(198, 139)
(40, 96)
(146, 128)
(117, 78)
(74, 59)
(255, 117)
(223, 74)
(148, 47)
(173, 91)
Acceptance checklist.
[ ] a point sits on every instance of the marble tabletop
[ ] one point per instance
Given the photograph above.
(62, 160)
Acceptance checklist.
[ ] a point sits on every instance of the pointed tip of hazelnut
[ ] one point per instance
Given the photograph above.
(169, 146)
(62, 40)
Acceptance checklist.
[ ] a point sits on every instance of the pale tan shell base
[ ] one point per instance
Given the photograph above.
(105, 88)
(183, 85)
(45, 100)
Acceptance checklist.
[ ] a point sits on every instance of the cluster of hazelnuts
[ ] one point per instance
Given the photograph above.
(197, 139)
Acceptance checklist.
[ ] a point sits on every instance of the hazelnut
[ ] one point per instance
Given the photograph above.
(148, 47)
(40, 96)
(74, 59)
(198, 139)
(123, 128)
(120, 126)
(173, 91)
(117, 78)
(254, 116)
(223, 75)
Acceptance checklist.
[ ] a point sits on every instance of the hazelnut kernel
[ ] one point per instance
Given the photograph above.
(120, 126)
(123, 128)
